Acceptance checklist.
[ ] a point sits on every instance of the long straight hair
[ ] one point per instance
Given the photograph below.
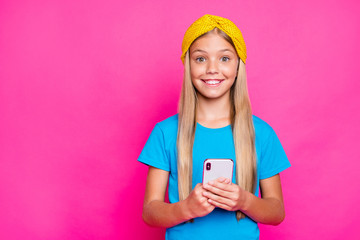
(241, 124)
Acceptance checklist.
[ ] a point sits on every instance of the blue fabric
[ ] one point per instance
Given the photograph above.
(160, 152)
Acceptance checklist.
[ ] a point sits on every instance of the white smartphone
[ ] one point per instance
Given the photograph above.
(217, 167)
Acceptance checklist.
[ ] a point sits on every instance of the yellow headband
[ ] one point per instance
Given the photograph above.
(207, 23)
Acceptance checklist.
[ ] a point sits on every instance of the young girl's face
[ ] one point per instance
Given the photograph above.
(213, 66)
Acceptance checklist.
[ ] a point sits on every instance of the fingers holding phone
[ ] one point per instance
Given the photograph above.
(217, 180)
(227, 196)
(197, 204)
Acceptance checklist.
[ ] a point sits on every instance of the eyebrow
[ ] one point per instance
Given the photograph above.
(222, 50)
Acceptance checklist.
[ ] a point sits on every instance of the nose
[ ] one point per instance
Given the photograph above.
(212, 67)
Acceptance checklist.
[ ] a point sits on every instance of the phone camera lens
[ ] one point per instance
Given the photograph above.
(208, 166)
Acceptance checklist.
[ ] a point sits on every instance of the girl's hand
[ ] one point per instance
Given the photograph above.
(226, 195)
(197, 204)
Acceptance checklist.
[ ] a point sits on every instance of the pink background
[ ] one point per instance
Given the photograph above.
(82, 84)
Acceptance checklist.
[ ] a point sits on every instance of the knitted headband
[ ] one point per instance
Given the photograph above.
(207, 23)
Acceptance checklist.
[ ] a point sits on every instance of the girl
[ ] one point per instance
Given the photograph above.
(214, 121)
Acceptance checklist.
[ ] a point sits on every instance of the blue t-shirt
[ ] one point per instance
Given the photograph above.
(160, 151)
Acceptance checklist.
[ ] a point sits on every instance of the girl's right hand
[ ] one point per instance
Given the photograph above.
(197, 204)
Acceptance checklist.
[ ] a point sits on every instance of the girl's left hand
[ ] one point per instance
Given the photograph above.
(226, 195)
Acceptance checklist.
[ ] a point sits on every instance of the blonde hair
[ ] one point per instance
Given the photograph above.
(241, 123)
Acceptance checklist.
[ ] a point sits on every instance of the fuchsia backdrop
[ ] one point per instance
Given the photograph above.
(82, 84)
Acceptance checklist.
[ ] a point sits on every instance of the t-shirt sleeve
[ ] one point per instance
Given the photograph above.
(153, 153)
(273, 157)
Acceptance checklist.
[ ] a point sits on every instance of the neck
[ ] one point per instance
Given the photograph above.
(213, 112)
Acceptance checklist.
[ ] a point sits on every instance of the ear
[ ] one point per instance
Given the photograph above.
(237, 69)
(187, 56)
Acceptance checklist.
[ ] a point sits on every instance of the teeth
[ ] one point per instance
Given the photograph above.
(212, 82)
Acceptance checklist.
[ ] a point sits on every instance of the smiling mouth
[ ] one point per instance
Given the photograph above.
(212, 82)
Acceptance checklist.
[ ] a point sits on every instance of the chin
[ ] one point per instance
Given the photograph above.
(212, 96)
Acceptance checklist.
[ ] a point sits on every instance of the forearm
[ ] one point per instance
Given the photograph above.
(161, 214)
(264, 210)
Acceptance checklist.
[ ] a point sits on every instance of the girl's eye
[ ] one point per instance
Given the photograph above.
(225, 59)
(200, 59)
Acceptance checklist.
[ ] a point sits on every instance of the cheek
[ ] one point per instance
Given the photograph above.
(196, 70)
(230, 71)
